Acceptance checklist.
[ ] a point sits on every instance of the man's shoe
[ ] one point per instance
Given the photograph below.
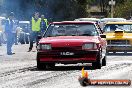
(10, 53)
(29, 50)
(13, 53)
(16, 43)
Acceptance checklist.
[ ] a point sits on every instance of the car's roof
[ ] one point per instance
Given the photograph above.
(126, 22)
(87, 19)
(2, 17)
(112, 19)
(73, 22)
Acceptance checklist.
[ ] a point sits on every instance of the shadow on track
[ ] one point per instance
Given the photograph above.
(65, 68)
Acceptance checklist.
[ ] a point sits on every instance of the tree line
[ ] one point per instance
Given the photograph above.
(57, 10)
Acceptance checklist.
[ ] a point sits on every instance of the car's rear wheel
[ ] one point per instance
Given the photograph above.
(26, 39)
(104, 61)
(98, 63)
(21, 38)
(40, 66)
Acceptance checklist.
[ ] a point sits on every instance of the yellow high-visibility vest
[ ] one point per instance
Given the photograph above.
(36, 25)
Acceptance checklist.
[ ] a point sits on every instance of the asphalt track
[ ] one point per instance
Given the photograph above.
(19, 71)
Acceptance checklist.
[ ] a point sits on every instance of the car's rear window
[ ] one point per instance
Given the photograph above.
(71, 30)
(113, 27)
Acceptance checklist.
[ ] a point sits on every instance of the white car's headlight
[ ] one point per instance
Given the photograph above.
(89, 46)
(44, 46)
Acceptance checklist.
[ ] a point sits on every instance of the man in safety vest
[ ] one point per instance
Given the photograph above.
(43, 24)
(35, 30)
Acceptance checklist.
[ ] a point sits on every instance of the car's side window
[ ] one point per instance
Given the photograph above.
(109, 28)
(89, 30)
(48, 31)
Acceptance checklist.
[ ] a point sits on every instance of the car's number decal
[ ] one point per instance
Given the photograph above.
(66, 53)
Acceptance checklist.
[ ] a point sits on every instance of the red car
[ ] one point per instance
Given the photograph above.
(70, 42)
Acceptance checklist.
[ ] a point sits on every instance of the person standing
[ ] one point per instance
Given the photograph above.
(43, 24)
(35, 30)
(9, 33)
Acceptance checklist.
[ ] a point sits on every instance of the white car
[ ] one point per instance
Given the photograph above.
(88, 19)
(103, 21)
(112, 19)
(24, 32)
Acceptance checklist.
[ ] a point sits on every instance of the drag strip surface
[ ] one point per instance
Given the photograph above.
(19, 71)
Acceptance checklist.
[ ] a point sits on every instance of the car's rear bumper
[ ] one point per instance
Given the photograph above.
(80, 57)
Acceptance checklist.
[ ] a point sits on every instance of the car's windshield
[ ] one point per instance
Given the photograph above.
(71, 30)
(113, 27)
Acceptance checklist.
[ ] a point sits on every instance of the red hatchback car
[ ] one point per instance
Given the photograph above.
(70, 42)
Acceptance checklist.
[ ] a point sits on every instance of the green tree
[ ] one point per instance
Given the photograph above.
(57, 10)
(123, 9)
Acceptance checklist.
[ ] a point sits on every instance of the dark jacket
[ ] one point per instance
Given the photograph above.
(43, 24)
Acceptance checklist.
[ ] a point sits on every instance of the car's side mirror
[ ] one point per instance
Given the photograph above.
(102, 35)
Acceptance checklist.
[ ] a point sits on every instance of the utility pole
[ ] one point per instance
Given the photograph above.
(112, 3)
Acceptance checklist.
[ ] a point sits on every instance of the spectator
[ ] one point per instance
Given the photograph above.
(9, 33)
(44, 24)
